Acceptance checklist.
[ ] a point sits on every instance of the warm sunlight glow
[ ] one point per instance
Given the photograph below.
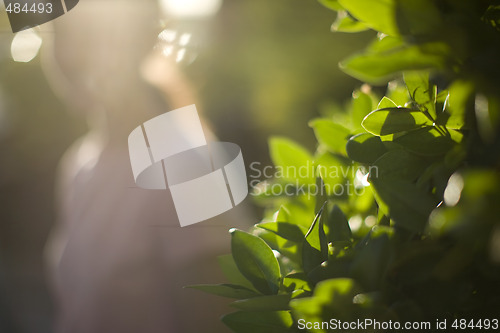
(191, 8)
(25, 46)
(453, 191)
(355, 222)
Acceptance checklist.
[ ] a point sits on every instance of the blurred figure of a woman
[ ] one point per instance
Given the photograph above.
(118, 258)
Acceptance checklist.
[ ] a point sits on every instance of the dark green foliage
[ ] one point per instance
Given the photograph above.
(415, 233)
(256, 261)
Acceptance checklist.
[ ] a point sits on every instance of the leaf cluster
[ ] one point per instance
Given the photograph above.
(418, 237)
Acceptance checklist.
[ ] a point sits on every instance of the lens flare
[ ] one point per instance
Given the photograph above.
(191, 8)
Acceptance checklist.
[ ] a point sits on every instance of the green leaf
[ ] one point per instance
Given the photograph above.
(331, 4)
(361, 106)
(264, 303)
(259, 321)
(461, 94)
(397, 164)
(418, 17)
(394, 120)
(377, 14)
(285, 248)
(421, 92)
(333, 136)
(291, 158)
(231, 271)
(295, 281)
(385, 43)
(226, 290)
(346, 23)
(256, 261)
(427, 141)
(380, 66)
(397, 92)
(281, 215)
(332, 297)
(288, 231)
(315, 245)
(300, 210)
(372, 257)
(315, 236)
(331, 167)
(408, 205)
(338, 226)
(386, 103)
(365, 148)
(442, 96)
(333, 268)
(363, 202)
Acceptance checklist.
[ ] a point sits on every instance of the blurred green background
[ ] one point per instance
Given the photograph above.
(266, 69)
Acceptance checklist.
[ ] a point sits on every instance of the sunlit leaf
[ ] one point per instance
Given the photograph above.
(332, 4)
(385, 43)
(291, 158)
(361, 106)
(296, 281)
(281, 215)
(397, 92)
(421, 91)
(332, 297)
(380, 66)
(371, 11)
(386, 103)
(461, 93)
(333, 136)
(345, 23)
(331, 167)
(394, 120)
